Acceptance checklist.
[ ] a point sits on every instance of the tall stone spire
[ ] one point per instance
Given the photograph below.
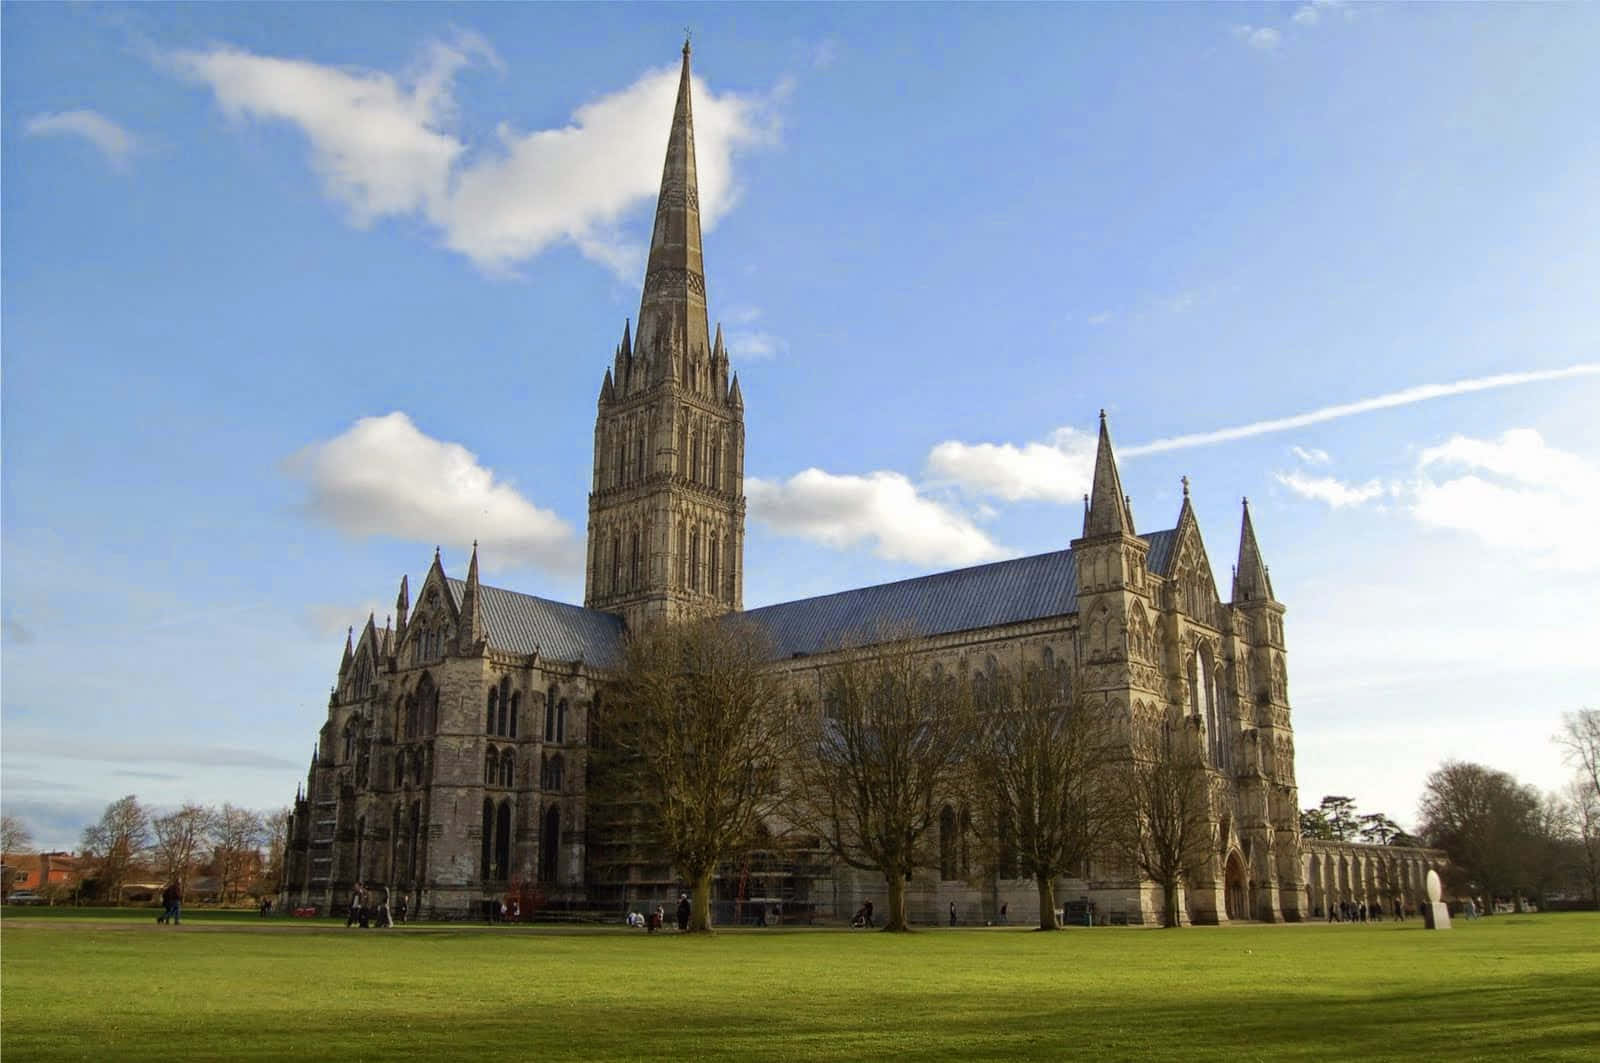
(672, 311)
(1108, 510)
(666, 509)
(1250, 580)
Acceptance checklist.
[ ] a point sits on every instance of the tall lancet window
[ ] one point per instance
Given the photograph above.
(694, 560)
(616, 561)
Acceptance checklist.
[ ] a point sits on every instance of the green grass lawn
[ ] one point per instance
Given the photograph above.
(102, 985)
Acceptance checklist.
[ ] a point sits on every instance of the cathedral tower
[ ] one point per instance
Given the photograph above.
(666, 507)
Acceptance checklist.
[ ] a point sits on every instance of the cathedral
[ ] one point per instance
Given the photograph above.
(452, 767)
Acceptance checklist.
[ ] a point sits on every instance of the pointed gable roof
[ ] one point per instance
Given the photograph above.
(672, 310)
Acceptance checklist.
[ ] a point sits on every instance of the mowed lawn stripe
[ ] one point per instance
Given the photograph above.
(1521, 987)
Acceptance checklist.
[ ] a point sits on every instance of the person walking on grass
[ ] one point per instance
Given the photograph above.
(171, 903)
(683, 911)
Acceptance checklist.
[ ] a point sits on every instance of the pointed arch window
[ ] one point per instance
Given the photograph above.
(550, 714)
(633, 561)
(516, 705)
(561, 721)
(714, 581)
(508, 769)
(616, 561)
(550, 844)
(494, 699)
(694, 560)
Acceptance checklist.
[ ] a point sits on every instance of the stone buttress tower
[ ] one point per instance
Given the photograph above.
(1263, 689)
(666, 508)
(1118, 661)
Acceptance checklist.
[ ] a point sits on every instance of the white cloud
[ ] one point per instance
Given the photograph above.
(1311, 455)
(383, 477)
(825, 53)
(330, 619)
(114, 142)
(1516, 493)
(1405, 397)
(754, 345)
(1327, 489)
(387, 146)
(1263, 38)
(1059, 470)
(884, 508)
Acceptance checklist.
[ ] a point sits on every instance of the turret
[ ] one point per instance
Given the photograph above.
(470, 629)
(1250, 580)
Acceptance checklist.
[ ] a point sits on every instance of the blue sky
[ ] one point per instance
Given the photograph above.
(293, 293)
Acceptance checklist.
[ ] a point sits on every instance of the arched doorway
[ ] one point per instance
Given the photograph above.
(1234, 886)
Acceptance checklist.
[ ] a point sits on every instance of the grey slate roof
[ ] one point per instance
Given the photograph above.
(1004, 592)
(522, 623)
(1161, 545)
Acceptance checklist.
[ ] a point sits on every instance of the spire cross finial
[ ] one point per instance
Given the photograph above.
(1185, 480)
(687, 35)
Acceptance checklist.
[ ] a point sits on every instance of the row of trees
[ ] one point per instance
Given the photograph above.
(130, 842)
(712, 746)
(1505, 839)
(1336, 819)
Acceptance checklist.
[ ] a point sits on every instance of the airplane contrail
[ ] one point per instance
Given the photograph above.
(1421, 393)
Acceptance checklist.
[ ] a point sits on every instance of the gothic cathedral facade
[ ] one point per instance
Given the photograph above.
(452, 766)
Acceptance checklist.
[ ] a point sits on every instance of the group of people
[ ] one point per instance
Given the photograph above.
(363, 914)
(1361, 911)
(655, 920)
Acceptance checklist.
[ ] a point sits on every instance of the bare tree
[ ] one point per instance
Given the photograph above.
(276, 824)
(236, 836)
(1584, 799)
(1486, 821)
(14, 841)
(1579, 739)
(887, 744)
(695, 736)
(1044, 785)
(179, 837)
(1165, 795)
(114, 843)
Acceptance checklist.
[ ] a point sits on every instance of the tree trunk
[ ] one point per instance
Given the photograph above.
(1169, 903)
(1047, 903)
(700, 904)
(895, 914)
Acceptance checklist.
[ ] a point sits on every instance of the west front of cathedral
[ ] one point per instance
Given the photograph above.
(453, 766)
